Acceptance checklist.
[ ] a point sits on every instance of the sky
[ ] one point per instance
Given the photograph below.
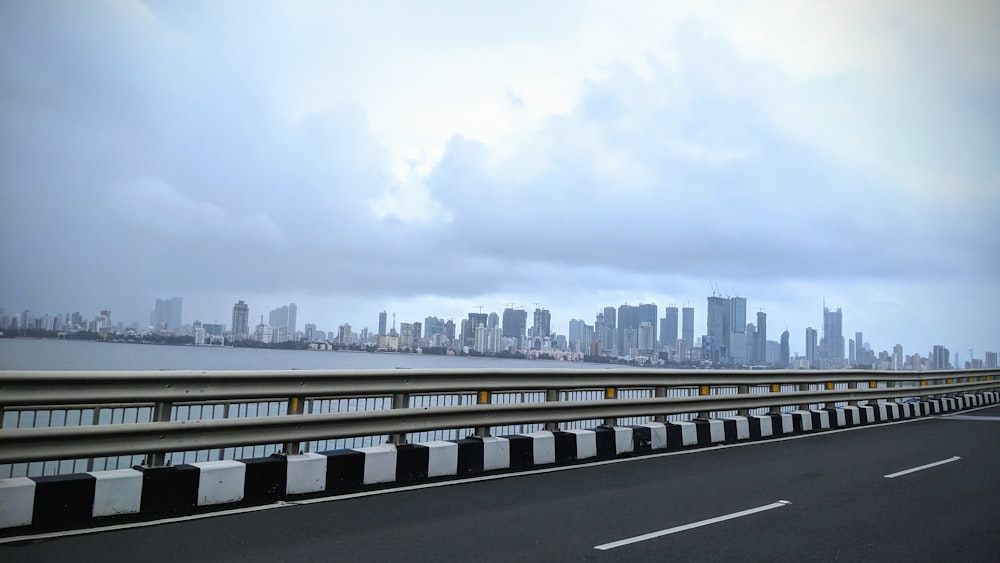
(430, 158)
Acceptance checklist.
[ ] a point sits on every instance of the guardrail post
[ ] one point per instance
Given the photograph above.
(704, 391)
(295, 406)
(890, 384)
(743, 390)
(873, 385)
(552, 396)
(399, 401)
(803, 387)
(659, 393)
(610, 393)
(161, 413)
(775, 388)
(483, 398)
(853, 386)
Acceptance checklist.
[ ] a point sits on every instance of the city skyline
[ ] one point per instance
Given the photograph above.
(423, 160)
(735, 307)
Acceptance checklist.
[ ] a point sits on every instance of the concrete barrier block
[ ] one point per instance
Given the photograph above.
(586, 443)
(736, 428)
(687, 433)
(802, 421)
(657, 435)
(867, 414)
(623, 440)
(220, 482)
(821, 419)
(17, 502)
(306, 474)
(496, 454)
(169, 489)
(760, 426)
(543, 445)
(380, 464)
(442, 458)
(117, 492)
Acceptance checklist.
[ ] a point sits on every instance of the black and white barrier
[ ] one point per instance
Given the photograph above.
(67, 501)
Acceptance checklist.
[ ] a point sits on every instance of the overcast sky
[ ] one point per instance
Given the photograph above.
(428, 158)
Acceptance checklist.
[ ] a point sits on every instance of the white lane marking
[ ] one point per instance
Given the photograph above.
(691, 526)
(448, 483)
(970, 417)
(921, 468)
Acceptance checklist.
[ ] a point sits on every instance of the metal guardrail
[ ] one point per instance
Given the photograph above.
(161, 390)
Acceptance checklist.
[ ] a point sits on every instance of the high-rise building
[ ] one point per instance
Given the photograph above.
(687, 326)
(852, 353)
(241, 321)
(738, 339)
(166, 315)
(382, 320)
(609, 337)
(897, 357)
(990, 360)
(648, 314)
(645, 337)
(831, 352)
(543, 323)
(786, 351)
(628, 330)
(811, 352)
(940, 358)
(293, 313)
(575, 334)
(515, 325)
(715, 347)
(760, 339)
(469, 328)
(668, 334)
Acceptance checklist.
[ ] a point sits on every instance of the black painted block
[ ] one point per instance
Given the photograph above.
(642, 439)
(832, 415)
(777, 424)
(605, 442)
(169, 489)
(565, 446)
(704, 429)
(675, 438)
(755, 433)
(817, 420)
(63, 499)
(265, 479)
(522, 451)
(865, 419)
(412, 461)
(470, 456)
(345, 469)
(732, 433)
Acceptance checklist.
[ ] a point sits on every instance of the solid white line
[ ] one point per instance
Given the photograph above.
(691, 526)
(921, 468)
(971, 417)
(449, 483)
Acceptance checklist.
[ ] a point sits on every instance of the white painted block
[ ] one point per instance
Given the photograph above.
(689, 433)
(870, 413)
(805, 418)
(586, 443)
(306, 474)
(841, 417)
(742, 427)
(765, 425)
(17, 502)
(496, 453)
(716, 431)
(854, 412)
(442, 458)
(623, 439)
(380, 464)
(787, 427)
(220, 481)
(935, 406)
(824, 419)
(906, 409)
(117, 492)
(883, 412)
(657, 435)
(543, 447)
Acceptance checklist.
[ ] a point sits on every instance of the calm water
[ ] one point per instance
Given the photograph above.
(31, 354)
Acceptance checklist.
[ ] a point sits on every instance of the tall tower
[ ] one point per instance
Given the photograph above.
(668, 335)
(648, 314)
(811, 355)
(832, 345)
(785, 351)
(382, 320)
(716, 349)
(760, 354)
(738, 339)
(687, 326)
(241, 321)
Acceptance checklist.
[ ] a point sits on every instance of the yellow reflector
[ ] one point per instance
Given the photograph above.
(484, 397)
(703, 390)
(775, 388)
(609, 393)
(948, 381)
(923, 383)
(829, 386)
(872, 385)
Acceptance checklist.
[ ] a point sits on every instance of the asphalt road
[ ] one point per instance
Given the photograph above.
(841, 507)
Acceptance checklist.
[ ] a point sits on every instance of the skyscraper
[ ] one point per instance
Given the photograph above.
(831, 353)
(543, 323)
(786, 352)
(241, 321)
(648, 314)
(382, 320)
(811, 356)
(687, 326)
(645, 338)
(515, 325)
(293, 312)
(738, 339)
(166, 314)
(668, 334)
(628, 329)
(716, 349)
(760, 339)
(609, 339)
